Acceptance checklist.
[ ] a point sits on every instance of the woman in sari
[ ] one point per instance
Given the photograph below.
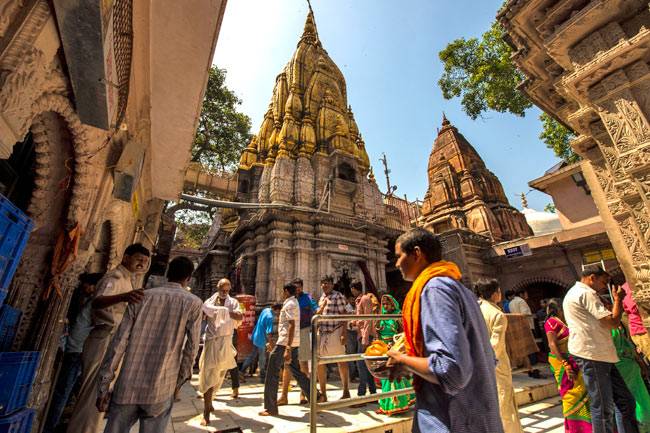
(575, 400)
(386, 329)
(628, 366)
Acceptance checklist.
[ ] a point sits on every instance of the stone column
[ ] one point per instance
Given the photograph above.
(302, 248)
(262, 269)
(279, 259)
(620, 172)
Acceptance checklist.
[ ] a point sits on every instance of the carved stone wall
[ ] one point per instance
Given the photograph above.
(590, 70)
(285, 246)
(72, 180)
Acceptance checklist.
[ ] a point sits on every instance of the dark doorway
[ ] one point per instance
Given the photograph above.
(17, 173)
(542, 290)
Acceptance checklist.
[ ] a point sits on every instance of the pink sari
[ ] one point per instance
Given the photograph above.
(575, 400)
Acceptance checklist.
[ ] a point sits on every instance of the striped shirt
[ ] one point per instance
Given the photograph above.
(334, 304)
(158, 342)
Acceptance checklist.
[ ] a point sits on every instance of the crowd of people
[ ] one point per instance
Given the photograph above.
(128, 351)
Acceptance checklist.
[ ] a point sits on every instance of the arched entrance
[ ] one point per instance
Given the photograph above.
(539, 288)
(53, 191)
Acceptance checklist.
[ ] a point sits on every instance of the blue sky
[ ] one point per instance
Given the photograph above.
(388, 53)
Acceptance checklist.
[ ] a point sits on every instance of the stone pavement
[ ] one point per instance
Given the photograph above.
(542, 416)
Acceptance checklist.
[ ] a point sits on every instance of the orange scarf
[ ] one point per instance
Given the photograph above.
(411, 311)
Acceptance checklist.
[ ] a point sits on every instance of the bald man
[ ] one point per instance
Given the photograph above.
(218, 357)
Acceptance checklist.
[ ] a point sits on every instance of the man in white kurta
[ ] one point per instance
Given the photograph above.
(497, 324)
(218, 357)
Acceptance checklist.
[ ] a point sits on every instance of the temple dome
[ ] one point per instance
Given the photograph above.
(542, 223)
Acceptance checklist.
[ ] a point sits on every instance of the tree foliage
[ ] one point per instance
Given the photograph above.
(193, 221)
(222, 132)
(550, 207)
(557, 137)
(482, 74)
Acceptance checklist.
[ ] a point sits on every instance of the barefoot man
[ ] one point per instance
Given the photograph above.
(218, 356)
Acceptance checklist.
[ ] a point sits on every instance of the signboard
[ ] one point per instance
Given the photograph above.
(518, 251)
(343, 247)
(596, 256)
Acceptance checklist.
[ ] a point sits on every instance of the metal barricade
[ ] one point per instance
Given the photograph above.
(317, 359)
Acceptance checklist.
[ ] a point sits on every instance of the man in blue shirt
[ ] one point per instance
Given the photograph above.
(263, 328)
(447, 344)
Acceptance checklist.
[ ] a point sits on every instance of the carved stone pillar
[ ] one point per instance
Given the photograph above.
(262, 269)
(301, 248)
(280, 265)
(623, 175)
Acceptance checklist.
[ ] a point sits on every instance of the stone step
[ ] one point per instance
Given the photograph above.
(529, 390)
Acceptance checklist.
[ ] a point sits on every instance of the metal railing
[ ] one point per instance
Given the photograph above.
(317, 359)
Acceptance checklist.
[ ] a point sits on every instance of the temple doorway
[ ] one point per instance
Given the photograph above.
(539, 289)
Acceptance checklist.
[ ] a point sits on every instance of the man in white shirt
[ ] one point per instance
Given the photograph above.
(285, 351)
(218, 356)
(590, 342)
(519, 305)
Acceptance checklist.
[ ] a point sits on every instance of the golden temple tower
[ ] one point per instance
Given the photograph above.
(308, 162)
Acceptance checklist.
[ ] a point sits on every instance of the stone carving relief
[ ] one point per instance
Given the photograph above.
(304, 182)
(282, 179)
(596, 43)
(265, 184)
(8, 10)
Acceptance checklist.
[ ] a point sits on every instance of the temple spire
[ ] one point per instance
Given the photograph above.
(310, 33)
(445, 121)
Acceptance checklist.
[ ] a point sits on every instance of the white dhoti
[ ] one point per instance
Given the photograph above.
(217, 358)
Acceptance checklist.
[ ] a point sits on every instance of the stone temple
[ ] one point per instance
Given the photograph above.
(464, 194)
(320, 211)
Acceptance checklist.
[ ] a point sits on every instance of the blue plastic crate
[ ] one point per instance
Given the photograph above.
(9, 318)
(15, 228)
(20, 422)
(17, 371)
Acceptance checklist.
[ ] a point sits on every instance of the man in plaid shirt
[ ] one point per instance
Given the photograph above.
(332, 335)
(156, 343)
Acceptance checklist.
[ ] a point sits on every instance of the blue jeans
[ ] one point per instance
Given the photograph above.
(276, 360)
(260, 353)
(68, 376)
(366, 381)
(609, 397)
(153, 418)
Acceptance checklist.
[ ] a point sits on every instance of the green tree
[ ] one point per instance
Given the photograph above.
(557, 137)
(482, 74)
(549, 208)
(222, 132)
